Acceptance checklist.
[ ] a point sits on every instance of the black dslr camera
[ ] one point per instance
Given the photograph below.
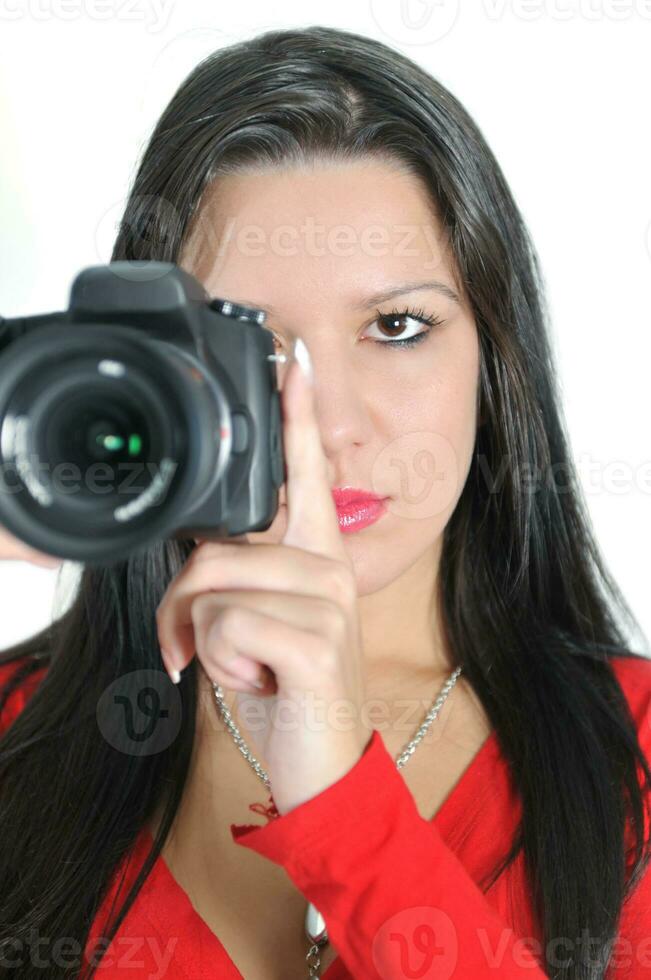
(146, 410)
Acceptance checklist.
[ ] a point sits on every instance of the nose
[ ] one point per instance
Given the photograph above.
(340, 405)
(339, 399)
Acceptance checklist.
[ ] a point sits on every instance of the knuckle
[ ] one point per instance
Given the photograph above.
(228, 624)
(319, 649)
(232, 620)
(341, 583)
(198, 606)
(328, 659)
(334, 620)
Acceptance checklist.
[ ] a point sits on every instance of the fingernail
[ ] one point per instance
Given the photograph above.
(302, 355)
(175, 675)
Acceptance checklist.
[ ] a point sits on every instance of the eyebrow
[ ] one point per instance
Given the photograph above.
(407, 287)
(382, 297)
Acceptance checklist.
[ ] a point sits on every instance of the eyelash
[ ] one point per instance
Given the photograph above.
(414, 314)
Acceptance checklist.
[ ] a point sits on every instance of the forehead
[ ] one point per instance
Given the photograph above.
(347, 228)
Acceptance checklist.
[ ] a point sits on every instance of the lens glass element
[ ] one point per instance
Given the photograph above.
(101, 434)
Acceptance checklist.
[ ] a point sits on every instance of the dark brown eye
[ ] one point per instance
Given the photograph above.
(393, 323)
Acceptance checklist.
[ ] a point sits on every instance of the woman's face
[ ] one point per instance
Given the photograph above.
(315, 247)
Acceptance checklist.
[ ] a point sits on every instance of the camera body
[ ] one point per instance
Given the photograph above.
(146, 410)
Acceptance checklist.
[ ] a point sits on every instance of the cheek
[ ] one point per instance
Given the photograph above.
(427, 445)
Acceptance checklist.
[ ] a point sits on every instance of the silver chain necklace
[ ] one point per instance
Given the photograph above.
(315, 928)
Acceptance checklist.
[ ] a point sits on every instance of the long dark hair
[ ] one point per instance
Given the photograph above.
(529, 608)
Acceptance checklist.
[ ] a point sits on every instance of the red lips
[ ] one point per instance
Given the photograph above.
(343, 496)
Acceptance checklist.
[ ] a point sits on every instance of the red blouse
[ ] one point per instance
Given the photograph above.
(399, 894)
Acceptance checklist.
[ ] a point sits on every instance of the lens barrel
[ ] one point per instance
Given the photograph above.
(105, 435)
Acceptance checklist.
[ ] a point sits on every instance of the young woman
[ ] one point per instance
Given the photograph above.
(325, 178)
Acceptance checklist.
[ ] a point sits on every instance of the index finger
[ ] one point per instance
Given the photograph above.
(312, 521)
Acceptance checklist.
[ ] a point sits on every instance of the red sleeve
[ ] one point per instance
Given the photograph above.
(394, 896)
(20, 694)
(631, 957)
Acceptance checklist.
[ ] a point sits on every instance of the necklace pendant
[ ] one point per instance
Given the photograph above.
(270, 811)
(315, 927)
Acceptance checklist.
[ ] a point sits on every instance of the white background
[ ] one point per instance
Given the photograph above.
(561, 92)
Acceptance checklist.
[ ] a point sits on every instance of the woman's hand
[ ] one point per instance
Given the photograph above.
(12, 549)
(289, 607)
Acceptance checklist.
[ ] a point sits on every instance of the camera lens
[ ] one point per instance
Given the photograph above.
(107, 435)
